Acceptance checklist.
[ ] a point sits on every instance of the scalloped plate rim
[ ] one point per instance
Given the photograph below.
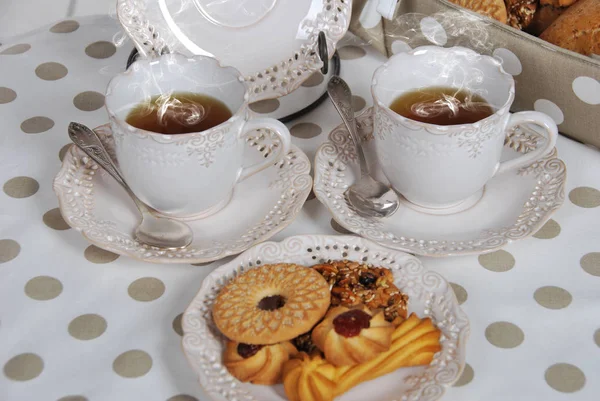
(232, 266)
(331, 40)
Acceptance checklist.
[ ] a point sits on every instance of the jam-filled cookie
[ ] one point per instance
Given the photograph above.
(271, 304)
(258, 364)
(348, 336)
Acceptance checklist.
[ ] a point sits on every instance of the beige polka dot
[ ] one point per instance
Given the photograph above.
(315, 79)
(99, 255)
(591, 263)
(585, 197)
(182, 397)
(87, 327)
(88, 101)
(100, 49)
(351, 52)
(177, 324)
(73, 398)
(336, 226)
(16, 49)
(565, 377)
(504, 335)
(311, 195)
(305, 130)
(36, 125)
(43, 288)
(63, 151)
(51, 71)
(466, 377)
(7, 95)
(21, 187)
(597, 337)
(9, 249)
(146, 289)
(552, 297)
(499, 261)
(265, 106)
(24, 367)
(460, 292)
(134, 363)
(358, 103)
(549, 230)
(202, 264)
(65, 27)
(53, 219)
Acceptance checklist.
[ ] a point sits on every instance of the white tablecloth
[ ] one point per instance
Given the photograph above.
(78, 321)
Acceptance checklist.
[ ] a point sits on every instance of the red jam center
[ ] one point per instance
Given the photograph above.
(271, 303)
(248, 350)
(349, 324)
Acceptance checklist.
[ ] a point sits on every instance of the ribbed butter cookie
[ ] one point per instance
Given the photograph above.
(271, 303)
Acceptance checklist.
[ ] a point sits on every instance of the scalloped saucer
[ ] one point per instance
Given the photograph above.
(264, 204)
(272, 43)
(430, 295)
(513, 206)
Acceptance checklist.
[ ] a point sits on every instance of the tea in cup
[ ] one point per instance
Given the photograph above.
(180, 127)
(440, 120)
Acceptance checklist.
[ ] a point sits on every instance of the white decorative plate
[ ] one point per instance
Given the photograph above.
(514, 205)
(273, 43)
(264, 204)
(429, 295)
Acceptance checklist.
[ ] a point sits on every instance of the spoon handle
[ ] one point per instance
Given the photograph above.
(341, 96)
(87, 140)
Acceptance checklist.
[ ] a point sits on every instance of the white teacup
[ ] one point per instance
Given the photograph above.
(443, 169)
(187, 175)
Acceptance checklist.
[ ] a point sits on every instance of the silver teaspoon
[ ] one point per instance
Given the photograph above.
(368, 196)
(154, 231)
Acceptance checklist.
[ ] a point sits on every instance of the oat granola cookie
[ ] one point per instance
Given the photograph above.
(353, 284)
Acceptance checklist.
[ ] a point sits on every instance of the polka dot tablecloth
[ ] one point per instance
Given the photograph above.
(79, 323)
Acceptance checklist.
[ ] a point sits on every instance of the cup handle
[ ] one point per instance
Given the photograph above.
(550, 131)
(283, 146)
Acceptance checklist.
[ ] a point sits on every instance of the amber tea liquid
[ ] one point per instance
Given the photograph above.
(442, 106)
(179, 113)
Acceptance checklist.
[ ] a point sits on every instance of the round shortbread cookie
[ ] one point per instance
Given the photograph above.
(271, 303)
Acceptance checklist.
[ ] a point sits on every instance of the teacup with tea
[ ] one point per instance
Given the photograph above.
(440, 120)
(180, 126)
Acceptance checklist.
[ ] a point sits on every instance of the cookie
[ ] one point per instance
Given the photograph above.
(520, 12)
(271, 304)
(257, 364)
(491, 8)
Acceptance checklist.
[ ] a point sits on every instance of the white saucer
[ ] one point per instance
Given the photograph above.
(264, 204)
(514, 205)
(273, 43)
(429, 294)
